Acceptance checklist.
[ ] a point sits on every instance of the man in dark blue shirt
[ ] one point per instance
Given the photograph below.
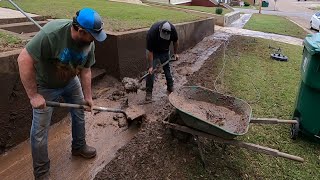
(159, 38)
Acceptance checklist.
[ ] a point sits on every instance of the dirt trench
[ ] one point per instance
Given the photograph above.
(156, 152)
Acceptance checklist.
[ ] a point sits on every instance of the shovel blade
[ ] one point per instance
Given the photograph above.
(135, 113)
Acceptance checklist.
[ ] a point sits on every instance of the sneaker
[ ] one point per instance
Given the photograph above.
(170, 89)
(86, 152)
(148, 96)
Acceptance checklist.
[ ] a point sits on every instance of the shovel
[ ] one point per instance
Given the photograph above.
(132, 85)
(131, 114)
(157, 68)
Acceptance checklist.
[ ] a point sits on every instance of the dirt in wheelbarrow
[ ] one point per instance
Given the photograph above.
(224, 117)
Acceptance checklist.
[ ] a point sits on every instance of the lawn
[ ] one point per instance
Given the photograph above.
(246, 7)
(117, 16)
(211, 10)
(248, 67)
(9, 42)
(275, 24)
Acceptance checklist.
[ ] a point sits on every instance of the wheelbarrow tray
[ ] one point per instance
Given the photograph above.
(202, 94)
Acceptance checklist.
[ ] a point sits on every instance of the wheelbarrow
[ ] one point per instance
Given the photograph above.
(200, 110)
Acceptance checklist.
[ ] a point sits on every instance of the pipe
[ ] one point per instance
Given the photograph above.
(16, 6)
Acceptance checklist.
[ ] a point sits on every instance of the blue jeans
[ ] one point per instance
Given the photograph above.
(162, 57)
(72, 93)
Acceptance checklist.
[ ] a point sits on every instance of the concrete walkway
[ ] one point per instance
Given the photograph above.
(250, 33)
(9, 13)
(129, 1)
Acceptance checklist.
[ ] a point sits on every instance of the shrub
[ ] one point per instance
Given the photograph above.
(246, 3)
(219, 10)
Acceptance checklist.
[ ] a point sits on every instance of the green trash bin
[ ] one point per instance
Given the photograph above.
(265, 4)
(307, 107)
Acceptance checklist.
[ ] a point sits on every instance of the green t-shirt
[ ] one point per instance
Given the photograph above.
(58, 58)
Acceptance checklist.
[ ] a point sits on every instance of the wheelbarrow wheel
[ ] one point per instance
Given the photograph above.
(294, 133)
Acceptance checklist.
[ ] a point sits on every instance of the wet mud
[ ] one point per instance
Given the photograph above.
(225, 117)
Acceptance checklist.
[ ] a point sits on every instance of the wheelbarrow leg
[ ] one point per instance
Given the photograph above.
(196, 139)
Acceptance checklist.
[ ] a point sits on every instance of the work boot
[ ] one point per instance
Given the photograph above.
(85, 151)
(148, 96)
(170, 89)
(45, 176)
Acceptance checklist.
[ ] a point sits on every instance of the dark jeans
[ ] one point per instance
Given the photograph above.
(162, 57)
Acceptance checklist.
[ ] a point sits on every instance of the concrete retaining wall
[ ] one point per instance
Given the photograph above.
(123, 54)
(15, 109)
(227, 19)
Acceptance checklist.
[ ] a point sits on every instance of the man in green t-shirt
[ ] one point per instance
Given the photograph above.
(49, 67)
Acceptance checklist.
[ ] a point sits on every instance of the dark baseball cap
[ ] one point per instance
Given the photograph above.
(90, 20)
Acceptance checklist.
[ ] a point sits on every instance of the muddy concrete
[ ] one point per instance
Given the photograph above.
(123, 54)
(102, 132)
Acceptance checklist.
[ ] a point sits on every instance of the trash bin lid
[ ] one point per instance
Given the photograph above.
(312, 43)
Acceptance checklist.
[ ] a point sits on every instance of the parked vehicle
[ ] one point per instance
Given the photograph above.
(315, 21)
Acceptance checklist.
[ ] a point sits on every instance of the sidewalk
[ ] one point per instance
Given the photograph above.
(250, 33)
(9, 13)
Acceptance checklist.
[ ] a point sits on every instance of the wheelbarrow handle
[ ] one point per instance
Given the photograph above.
(272, 121)
(79, 106)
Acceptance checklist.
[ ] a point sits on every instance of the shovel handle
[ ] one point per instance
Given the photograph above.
(67, 105)
(79, 106)
(155, 69)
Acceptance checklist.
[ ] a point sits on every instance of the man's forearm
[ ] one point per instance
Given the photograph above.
(27, 73)
(85, 77)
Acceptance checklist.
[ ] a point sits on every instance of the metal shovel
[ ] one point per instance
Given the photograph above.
(157, 68)
(130, 114)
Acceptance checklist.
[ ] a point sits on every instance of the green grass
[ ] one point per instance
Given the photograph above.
(8, 42)
(117, 16)
(248, 66)
(275, 24)
(246, 7)
(211, 10)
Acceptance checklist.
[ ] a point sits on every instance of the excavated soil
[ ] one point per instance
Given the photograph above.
(157, 152)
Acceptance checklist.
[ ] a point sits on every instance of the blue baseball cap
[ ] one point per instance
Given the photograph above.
(90, 20)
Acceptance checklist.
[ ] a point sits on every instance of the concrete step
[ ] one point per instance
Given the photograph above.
(97, 74)
(23, 27)
(23, 19)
